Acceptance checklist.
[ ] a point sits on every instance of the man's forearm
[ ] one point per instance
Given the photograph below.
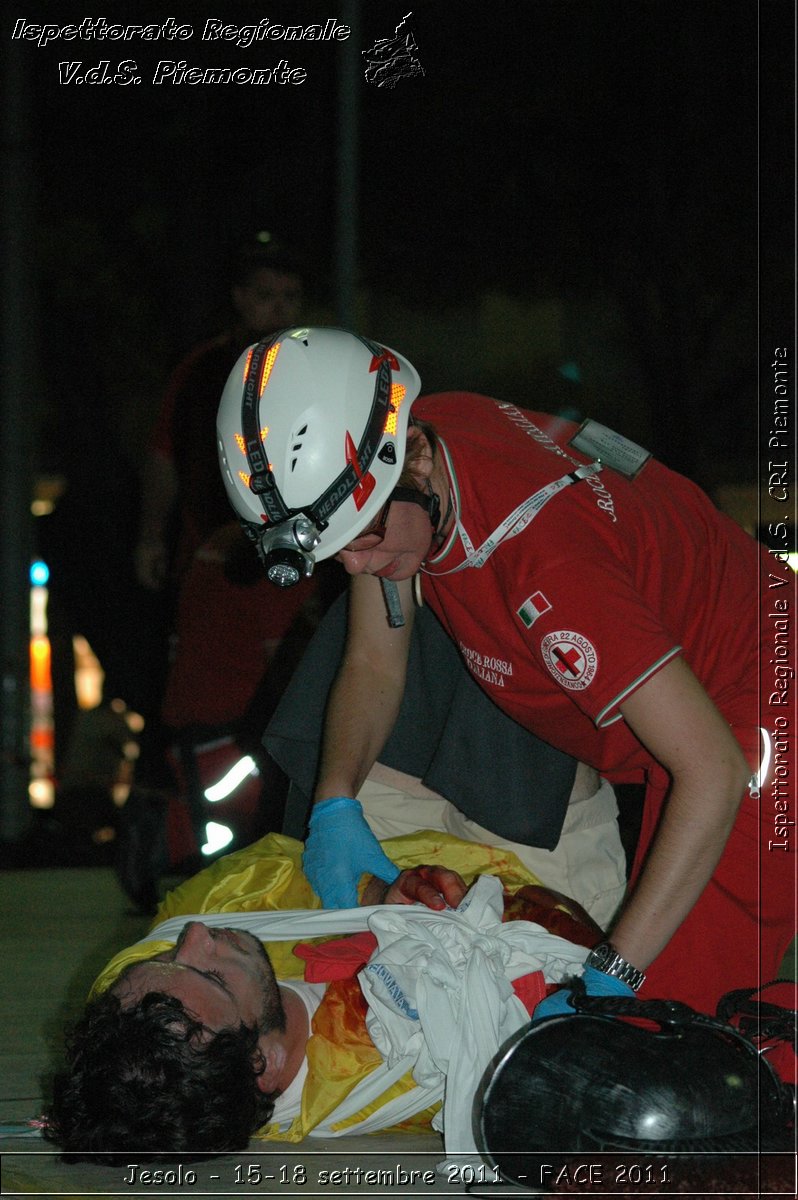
(673, 716)
(689, 843)
(159, 490)
(361, 714)
(367, 693)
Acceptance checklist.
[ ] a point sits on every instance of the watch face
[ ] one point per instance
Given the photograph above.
(603, 954)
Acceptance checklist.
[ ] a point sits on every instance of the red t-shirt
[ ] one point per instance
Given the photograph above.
(185, 434)
(609, 581)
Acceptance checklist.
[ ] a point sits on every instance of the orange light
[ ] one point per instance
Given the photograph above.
(267, 367)
(397, 396)
(242, 475)
(264, 433)
(246, 364)
(40, 664)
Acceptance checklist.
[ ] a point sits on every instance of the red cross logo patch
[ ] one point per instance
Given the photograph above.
(571, 658)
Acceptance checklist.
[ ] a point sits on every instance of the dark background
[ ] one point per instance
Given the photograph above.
(581, 206)
(571, 181)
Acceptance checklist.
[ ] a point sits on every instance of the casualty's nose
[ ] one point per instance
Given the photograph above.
(197, 937)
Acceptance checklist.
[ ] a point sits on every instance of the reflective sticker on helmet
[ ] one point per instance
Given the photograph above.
(366, 483)
(397, 396)
(384, 356)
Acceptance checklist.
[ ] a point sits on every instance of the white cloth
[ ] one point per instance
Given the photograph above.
(440, 996)
(588, 863)
(439, 992)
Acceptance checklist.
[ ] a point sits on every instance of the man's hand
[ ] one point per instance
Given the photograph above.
(340, 848)
(434, 886)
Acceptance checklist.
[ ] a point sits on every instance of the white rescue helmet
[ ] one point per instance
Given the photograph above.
(312, 432)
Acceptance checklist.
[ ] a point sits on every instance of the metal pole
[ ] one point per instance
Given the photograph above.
(18, 392)
(346, 214)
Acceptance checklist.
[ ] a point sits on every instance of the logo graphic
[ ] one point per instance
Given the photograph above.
(366, 483)
(533, 607)
(385, 356)
(571, 658)
(392, 59)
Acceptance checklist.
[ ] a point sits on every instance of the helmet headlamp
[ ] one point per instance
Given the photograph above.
(286, 550)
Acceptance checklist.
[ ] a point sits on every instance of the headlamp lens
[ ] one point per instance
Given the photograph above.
(283, 574)
(286, 551)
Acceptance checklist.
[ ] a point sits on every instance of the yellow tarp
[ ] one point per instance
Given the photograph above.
(268, 876)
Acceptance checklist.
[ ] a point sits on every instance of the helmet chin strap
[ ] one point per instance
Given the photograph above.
(429, 500)
(431, 503)
(438, 525)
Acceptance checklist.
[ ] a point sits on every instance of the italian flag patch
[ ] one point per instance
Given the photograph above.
(533, 607)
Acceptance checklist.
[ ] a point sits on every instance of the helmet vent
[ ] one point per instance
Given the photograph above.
(297, 445)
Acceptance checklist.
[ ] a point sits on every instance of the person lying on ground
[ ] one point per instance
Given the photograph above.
(195, 1047)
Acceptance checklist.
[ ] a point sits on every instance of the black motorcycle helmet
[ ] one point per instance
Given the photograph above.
(630, 1076)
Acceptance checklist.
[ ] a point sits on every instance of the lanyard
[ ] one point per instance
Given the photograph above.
(517, 520)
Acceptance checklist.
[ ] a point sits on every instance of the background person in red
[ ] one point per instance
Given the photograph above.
(225, 623)
(607, 606)
(182, 500)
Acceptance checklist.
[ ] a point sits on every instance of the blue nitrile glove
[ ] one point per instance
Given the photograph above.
(596, 984)
(340, 848)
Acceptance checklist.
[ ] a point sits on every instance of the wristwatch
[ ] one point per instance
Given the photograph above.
(606, 958)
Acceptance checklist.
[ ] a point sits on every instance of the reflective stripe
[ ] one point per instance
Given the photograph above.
(603, 720)
(759, 776)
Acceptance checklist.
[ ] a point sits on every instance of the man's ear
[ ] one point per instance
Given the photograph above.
(419, 456)
(268, 1059)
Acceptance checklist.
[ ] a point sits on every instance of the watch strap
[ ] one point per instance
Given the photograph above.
(606, 958)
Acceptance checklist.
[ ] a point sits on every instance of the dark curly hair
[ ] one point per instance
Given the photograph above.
(151, 1079)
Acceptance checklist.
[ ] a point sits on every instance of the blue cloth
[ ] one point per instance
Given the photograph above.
(340, 848)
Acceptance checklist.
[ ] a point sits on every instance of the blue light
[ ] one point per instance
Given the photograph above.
(570, 371)
(39, 573)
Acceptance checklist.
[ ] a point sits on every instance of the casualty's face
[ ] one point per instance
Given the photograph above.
(222, 976)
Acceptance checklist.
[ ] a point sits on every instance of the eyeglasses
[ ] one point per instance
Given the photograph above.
(374, 533)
